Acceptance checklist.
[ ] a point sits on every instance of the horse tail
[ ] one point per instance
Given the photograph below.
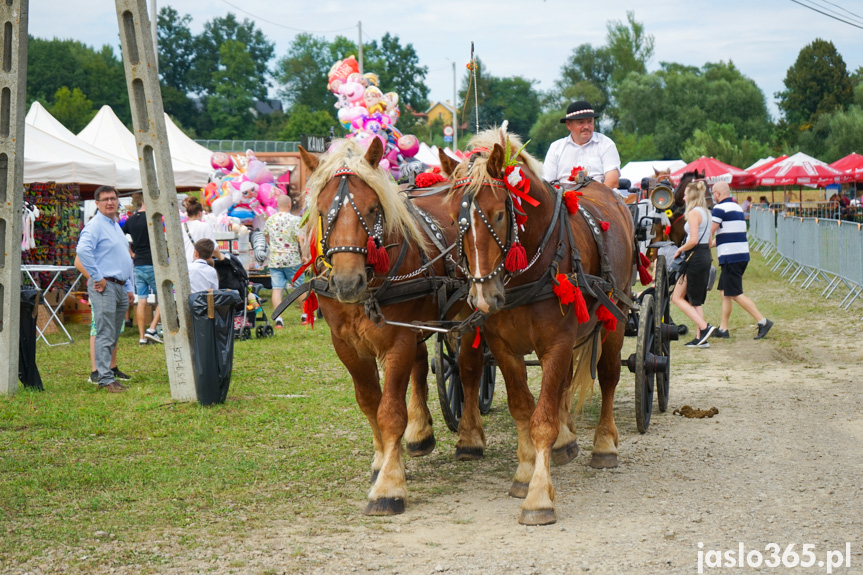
(582, 383)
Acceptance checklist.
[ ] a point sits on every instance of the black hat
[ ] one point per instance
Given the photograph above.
(578, 110)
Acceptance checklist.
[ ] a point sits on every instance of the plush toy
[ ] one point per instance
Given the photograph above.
(409, 145)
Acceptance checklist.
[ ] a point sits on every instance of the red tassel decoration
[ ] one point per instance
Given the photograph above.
(516, 259)
(667, 230)
(520, 219)
(570, 198)
(477, 339)
(644, 276)
(604, 226)
(609, 321)
(310, 306)
(382, 263)
(581, 313)
(563, 289)
(643, 259)
(371, 251)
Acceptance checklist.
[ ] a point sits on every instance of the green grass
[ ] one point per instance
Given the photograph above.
(289, 441)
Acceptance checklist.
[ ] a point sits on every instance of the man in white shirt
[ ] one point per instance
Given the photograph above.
(584, 147)
(202, 276)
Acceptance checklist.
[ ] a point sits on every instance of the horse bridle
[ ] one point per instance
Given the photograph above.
(342, 197)
(464, 223)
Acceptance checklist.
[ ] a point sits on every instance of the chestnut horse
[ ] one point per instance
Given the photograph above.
(525, 315)
(358, 208)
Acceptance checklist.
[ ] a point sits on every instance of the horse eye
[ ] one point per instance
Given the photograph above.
(373, 210)
(500, 217)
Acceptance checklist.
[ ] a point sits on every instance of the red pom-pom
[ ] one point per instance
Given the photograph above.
(667, 230)
(516, 259)
(427, 180)
(581, 313)
(644, 276)
(604, 226)
(573, 175)
(477, 339)
(643, 259)
(564, 290)
(608, 319)
(310, 306)
(570, 198)
(371, 251)
(382, 264)
(520, 219)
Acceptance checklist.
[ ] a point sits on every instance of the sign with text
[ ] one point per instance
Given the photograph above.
(314, 144)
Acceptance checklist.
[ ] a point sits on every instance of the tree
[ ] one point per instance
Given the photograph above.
(546, 130)
(208, 52)
(834, 135)
(816, 84)
(176, 49)
(72, 108)
(302, 120)
(629, 47)
(399, 71)
(722, 142)
(633, 147)
(235, 79)
(586, 76)
(303, 73)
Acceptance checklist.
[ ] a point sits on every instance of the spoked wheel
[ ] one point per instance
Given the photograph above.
(269, 332)
(486, 382)
(247, 333)
(646, 347)
(449, 388)
(663, 315)
(259, 331)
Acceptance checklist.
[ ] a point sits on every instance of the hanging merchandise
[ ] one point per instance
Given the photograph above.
(56, 224)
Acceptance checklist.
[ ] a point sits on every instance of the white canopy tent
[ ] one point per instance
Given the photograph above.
(185, 148)
(50, 159)
(635, 171)
(106, 132)
(128, 176)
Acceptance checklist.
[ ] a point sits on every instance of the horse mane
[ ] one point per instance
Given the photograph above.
(479, 170)
(347, 153)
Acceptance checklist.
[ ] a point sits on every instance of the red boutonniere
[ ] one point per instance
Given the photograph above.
(573, 175)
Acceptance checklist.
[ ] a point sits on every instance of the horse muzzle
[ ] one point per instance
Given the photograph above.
(349, 287)
(487, 297)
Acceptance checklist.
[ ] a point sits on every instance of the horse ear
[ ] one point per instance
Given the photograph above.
(375, 153)
(447, 164)
(310, 160)
(495, 161)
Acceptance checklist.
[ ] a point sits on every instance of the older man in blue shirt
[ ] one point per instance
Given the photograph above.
(104, 253)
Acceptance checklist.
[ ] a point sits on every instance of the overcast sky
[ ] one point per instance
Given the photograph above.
(530, 38)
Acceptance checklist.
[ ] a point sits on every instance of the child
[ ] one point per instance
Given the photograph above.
(202, 275)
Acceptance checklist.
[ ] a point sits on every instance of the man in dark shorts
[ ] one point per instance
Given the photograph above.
(145, 277)
(732, 247)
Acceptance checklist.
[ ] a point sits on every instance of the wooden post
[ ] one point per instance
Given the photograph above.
(157, 179)
(13, 91)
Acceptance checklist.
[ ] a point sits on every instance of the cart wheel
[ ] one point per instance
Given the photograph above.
(449, 389)
(269, 332)
(486, 382)
(259, 332)
(247, 333)
(663, 315)
(643, 378)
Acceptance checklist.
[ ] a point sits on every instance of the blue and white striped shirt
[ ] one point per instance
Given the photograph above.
(731, 243)
(104, 250)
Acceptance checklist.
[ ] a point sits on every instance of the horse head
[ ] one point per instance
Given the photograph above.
(355, 205)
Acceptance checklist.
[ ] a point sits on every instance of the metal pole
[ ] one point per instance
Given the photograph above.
(360, 45)
(157, 178)
(13, 91)
(454, 108)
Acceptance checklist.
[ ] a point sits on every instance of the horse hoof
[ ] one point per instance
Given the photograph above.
(518, 489)
(537, 517)
(423, 447)
(385, 506)
(565, 454)
(469, 453)
(374, 476)
(603, 460)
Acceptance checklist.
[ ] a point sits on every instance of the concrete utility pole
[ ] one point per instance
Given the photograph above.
(454, 110)
(13, 91)
(157, 177)
(360, 46)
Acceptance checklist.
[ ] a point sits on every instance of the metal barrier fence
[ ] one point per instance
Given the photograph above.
(810, 250)
(243, 145)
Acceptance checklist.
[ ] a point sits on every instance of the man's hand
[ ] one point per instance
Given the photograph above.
(99, 286)
(131, 298)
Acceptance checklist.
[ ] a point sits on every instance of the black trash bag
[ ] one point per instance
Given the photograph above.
(214, 343)
(28, 372)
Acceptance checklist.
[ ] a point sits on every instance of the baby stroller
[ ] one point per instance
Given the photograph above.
(232, 275)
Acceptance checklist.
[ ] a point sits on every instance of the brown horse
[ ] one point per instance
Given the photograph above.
(525, 315)
(358, 209)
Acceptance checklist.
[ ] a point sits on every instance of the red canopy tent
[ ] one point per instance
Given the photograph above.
(755, 171)
(801, 169)
(716, 171)
(851, 164)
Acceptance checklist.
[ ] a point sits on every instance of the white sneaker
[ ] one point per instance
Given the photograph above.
(152, 335)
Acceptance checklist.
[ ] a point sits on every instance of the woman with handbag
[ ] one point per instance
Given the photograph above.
(691, 289)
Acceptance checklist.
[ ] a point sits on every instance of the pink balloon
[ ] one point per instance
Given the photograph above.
(409, 145)
(258, 172)
(266, 195)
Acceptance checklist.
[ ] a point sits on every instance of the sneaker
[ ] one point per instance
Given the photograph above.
(94, 378)
(112, 387)
(705, 335)
(143, 341)
(693, 343)
(152, 335)
(763, 329)
(128, 323)
(721, 333)
(120, 375)
(279, 323)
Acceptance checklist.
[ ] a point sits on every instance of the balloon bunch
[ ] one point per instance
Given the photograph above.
(242, 188)
(367, 113)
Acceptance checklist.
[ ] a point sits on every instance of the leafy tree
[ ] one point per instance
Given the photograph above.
(303, 73)
(513, 99)
(834, 135)
(72, 108)
(208, 53)
(231, 106)
(817, 83)
(546, 130)
(302, 120)
(721, 142)
(633, 147)
(399, 71)
(176, 49)
(629, 47)
(585, 76)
